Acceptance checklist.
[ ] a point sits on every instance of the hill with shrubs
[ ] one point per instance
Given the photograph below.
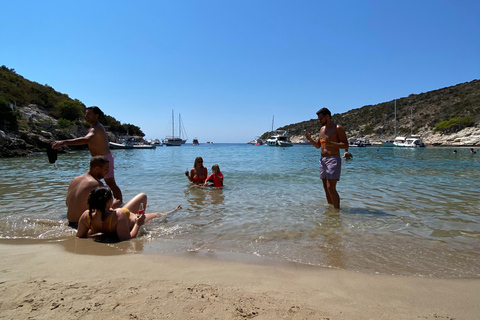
(32, 115)
(437, 114)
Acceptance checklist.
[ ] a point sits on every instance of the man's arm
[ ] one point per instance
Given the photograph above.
(342, 137)
(77, 141)
(314, 143)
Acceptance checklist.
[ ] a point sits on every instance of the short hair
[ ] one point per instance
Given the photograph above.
(96, 110)
(98, 161)
(325, 112)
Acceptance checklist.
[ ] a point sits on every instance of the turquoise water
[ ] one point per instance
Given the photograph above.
(404, 211)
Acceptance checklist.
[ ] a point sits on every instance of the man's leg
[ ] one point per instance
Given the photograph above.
(117, 193)
(327, 193)
(331, 190)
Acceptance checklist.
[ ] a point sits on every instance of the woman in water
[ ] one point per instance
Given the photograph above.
(198, 173)
(124, 222)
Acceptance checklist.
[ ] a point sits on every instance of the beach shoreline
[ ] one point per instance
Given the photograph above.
(84, 279)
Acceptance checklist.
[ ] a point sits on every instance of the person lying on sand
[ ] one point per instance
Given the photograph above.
(124, 222)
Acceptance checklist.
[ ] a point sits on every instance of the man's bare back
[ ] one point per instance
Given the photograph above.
(77, 195)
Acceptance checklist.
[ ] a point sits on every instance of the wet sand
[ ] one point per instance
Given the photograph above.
(83, 279)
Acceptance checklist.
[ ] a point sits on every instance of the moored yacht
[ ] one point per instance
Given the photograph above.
(410, 142)
(279, 139)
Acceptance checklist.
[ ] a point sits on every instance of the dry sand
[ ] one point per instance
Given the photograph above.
(60, 281)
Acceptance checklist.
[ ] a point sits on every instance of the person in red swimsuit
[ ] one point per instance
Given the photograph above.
(216, 178)
(198, 173)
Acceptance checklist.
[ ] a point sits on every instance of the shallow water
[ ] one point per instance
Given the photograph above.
(404, 211)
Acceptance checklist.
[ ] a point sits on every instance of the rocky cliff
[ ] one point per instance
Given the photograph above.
(40, 132)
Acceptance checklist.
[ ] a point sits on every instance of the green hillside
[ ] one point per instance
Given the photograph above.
(446, 110)
(15, 89)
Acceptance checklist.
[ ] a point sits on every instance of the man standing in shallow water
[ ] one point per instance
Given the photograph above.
(97, 141)
(331, 139)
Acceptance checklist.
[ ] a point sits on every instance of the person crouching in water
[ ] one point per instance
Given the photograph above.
(124, 222)
(216, 178)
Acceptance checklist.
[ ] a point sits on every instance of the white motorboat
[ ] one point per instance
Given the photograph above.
(195, 142)
(129, 145)
(409, 142)
(359, 142)
(279, 139)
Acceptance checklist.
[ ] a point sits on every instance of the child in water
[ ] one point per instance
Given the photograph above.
(216, 178)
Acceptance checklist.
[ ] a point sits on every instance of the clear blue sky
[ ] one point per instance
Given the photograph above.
(229, 66)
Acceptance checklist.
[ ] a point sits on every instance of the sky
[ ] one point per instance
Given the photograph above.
(230, 67)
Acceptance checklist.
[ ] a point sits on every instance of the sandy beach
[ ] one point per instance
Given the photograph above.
(61, 281)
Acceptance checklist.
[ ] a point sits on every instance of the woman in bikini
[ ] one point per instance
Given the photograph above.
(124, 222)
(199, 173)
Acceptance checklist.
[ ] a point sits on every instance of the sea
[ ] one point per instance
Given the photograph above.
(404, 212)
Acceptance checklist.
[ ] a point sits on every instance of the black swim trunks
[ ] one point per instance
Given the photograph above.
(73, 225)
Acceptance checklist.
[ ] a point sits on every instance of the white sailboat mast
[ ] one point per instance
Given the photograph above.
(180, 126)
(395, 118)
(173, 125)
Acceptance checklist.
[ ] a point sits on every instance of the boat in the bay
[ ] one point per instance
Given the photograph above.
(174, 141)
(195, 142)
(131, 143)
(409, 142)
(279, 139)
(258, 142)
(359, 142)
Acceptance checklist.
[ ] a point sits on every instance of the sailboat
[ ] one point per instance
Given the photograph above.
(175, 141)
(411, 141)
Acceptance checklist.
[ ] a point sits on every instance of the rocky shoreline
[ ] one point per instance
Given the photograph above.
(468, 137)
(42, 131)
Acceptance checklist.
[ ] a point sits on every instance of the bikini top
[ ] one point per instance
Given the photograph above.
(110, 219)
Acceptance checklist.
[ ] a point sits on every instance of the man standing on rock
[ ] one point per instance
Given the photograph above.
(331, 139)
(97, 141)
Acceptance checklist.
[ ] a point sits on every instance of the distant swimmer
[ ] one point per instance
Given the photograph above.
(347, 155)
(472, 151)
(454, 151)
(331, 139)
(216, 178)
(198, 173)
(124, 222)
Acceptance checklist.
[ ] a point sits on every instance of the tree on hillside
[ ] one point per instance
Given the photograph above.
(71, 109)
(8, 120)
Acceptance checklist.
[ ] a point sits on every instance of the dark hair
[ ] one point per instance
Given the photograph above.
(325, 112)
(97, 200)
(96, 110)
(98, 161)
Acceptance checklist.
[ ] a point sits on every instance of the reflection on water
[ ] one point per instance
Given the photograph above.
(407, 212)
